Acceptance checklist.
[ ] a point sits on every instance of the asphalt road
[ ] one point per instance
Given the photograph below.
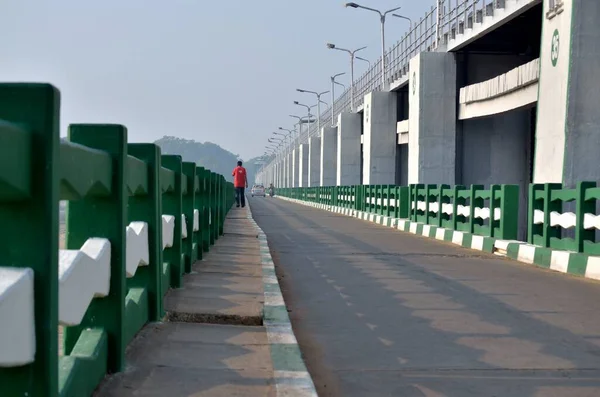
(378, 312)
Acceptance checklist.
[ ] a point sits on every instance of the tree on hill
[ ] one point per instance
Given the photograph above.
(208, 155)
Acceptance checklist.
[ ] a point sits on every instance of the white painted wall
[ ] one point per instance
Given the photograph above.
(552, 102)
(303, 170)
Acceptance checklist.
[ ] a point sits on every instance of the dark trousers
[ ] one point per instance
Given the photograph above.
(240, 196)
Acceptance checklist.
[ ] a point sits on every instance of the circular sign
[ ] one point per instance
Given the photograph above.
(555, 48)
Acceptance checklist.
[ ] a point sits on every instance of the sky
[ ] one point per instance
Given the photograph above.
(219, 71)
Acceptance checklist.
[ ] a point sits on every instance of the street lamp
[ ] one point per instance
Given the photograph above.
(318, 94)
(308, 112)
(382, 16)
(333, 47)
(365, 60)
(333, 83)
(403, 17)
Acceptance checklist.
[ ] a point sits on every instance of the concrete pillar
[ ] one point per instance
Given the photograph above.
(568, 120)
(314, 161)
(348, 149)
(303, 181)
(432, 119)
(296, 167)
(290, 182)
(328, 163)
(379, 138)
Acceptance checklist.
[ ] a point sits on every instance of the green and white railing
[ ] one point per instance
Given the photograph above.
(136, 222)
(558, 218)
(456, 208)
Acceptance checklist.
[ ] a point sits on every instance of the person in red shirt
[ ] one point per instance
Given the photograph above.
(240, 182)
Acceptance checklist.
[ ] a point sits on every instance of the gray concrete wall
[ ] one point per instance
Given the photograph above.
(303, 168)
(582, 159)
(348, 149)
(314, 161)
(379, 138)
(328, 160)
(432, 122)
(496, 150)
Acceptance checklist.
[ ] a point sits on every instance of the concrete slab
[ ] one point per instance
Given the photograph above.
(225, 287)
(178, 359)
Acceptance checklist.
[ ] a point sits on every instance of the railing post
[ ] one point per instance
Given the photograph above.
(441, 202)
(550, 231)
(199, 205)
(103, 217)
(188, 206)
(147, 208)
(583, 207)
(214, 218)
(456, 201)
(36, 108)
(172, 205)
(509, 212)
(473, 203)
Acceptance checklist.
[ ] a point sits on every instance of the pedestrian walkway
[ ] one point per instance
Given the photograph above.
(381, 312)
(214, 343)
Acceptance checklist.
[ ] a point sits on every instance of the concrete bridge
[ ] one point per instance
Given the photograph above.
(438, 238)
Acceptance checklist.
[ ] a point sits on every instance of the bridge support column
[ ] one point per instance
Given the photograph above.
(314, 161)
(432, 119)
(348, 149)
(568, 120)
(379, 138)
(296, 167)
(303, 171)
(328, 163)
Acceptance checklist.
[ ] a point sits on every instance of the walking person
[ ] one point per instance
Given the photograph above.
(240, 182)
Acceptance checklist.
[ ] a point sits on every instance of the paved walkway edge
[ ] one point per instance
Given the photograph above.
(561, 261)
(291, 376)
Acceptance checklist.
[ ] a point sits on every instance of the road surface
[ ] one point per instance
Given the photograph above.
(378, 312)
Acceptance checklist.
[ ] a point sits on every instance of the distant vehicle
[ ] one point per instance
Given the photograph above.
(258, 190)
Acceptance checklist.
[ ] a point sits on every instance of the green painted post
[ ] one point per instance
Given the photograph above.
(404, 203)
(223, 204)
(495, 197)
(473, 203)
(509, 212)
(147, 208)
(442, 199)
(388, 192)
(207, 208)
(188, 206)
(36, 108)
(213, 207)
(172, 205)
(199, 205)
(550, 206)
(103, 217)
(583, 207)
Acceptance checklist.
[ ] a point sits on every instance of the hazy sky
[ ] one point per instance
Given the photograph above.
(218, 71)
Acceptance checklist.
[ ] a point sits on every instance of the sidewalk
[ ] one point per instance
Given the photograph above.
(214, 343)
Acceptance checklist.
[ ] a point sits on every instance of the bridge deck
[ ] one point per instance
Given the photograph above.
(214, 344)
(382, 312)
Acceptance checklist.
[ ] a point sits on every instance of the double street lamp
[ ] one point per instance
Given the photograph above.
(382, 16)
(318, 94)
(352, 56)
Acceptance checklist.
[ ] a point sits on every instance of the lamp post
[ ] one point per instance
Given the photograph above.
(382, 16)
(333, 83)
(352, 53)
(318, 95)
(403, 17)
(365, 60)
(308, 115)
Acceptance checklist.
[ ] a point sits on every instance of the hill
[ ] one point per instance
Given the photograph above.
(207, 155)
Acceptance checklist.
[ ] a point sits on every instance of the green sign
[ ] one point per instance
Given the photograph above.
(555, 49)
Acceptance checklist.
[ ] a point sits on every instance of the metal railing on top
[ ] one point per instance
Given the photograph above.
(433, 30)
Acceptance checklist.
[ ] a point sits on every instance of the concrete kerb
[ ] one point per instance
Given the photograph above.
(561, 261)
(291, 376)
